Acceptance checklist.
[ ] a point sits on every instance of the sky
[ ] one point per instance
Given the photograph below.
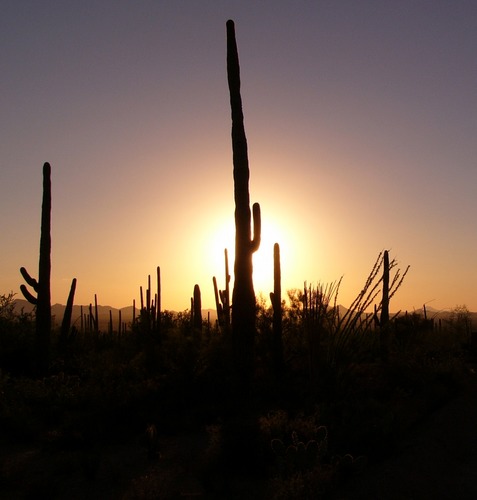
(361, 121)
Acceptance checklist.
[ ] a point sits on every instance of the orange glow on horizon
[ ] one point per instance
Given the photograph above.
(272, 232)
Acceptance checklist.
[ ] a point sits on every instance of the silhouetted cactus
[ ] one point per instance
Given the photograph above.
(65, 325)
(158, 301)
(347, 465)
(299, 456)
(385, 299)
(121, 327)
(96, 315)
(276, 300)
(150, 312)
(42, 301)
(222, 298)
(196, 309)
(243, 297)
(218, 305)
(91, 321)
(384, 320)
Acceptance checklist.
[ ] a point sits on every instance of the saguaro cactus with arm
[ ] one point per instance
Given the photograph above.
(42, 286)
(243, 296)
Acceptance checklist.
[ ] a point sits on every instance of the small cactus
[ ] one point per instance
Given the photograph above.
(150, 311)
(347, 465)
(312, 449)
(65, 325)
(196, 309)
(222, 299)
(291, 452)
(300, 455)
(278, 447)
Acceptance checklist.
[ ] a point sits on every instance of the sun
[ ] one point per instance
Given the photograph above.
(272, 232)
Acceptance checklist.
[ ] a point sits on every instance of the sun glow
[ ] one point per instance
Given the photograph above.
(263, 257)
(224, 238)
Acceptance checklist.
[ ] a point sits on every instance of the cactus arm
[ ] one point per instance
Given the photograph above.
(257, 227)
(225, 294)
(223, 297)
(31, 281)
(32, 299)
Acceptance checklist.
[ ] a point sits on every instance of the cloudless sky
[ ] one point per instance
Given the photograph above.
(361, 120)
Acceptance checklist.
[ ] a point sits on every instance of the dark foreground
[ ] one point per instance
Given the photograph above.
(437, 459)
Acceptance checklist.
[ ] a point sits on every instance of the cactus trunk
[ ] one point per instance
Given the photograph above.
(65, 325)
(384, 321)
(96, 316)
(276, 300)
(197, 309)
(158, 302)
(243, 296)
(43, 308)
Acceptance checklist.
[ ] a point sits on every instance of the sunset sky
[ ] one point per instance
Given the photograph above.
(361, 120)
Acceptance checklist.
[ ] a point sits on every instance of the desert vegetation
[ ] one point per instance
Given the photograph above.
(313, 418)
(288, 400)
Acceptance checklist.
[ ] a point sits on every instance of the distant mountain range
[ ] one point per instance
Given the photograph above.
(58, 310)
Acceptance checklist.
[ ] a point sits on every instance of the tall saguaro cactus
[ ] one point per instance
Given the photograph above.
(42, 285)
(243, 295)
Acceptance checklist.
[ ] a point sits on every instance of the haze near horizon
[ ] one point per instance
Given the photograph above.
(360, 120)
